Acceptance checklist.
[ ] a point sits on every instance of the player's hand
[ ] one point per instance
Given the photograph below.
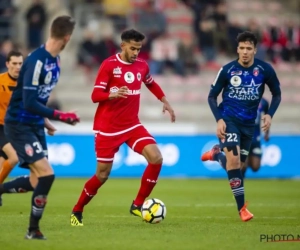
(121, 93)
(221, 128)
(267, 120)
(167, 107)
(49, 126)
(67, 117)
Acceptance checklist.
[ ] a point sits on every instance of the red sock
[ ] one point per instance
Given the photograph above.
(89, 191)
(148, 182)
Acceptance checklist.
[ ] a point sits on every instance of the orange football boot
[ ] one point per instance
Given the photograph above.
(209, 155)
(245, 214)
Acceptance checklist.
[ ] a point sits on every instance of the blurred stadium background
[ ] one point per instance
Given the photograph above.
(187, 43)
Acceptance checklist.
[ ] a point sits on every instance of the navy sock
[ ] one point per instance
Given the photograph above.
(19, 185)
(39, 200)
(237, 186)
(221, 158)
(243, 171)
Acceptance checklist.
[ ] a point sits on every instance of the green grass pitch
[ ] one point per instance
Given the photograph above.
(201, 214)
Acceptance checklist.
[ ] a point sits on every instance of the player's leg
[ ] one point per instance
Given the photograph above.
(143, 143)
(1, 162)
(90, 189)
(215, 154)
(255, 154)
(231, 147)
(245, 144)
(31, 147)
(105, 147)
(11, 161)
(45, 175)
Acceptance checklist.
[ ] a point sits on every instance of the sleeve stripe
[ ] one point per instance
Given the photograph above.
(215, 81)
(101, 87)
(37, 73)
(149, 80)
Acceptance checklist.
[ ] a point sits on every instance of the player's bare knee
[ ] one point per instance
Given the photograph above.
(42, 167)
(103, 171)
(155, 158)
(102, 176)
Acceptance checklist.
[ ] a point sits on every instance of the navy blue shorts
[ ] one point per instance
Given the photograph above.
(3, 142)
(29, 141)
(255, 149)
(238, 135)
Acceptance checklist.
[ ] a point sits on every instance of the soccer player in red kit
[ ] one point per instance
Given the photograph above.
(117, 92)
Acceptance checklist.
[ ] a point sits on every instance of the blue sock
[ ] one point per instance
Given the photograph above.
(19, 185)
(39, 200)
(221, 158)
(237, 186)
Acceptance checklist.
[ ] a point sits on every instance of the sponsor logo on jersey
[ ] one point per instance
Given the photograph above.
(50, 66)
(235, 81)
(48, 77)
(129, 77)
(134, 91)
(236, 73)
(36, 73)
(117, 72)
(244, 92)
(114, 89)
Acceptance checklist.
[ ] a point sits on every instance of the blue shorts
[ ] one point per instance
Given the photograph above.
(29, 141)
(238, 135)
(255, 149)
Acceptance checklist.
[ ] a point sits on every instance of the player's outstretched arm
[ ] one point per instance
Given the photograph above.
(274, 86)
(167, 107)
(160, 95)
(215, 90)
(30, 96)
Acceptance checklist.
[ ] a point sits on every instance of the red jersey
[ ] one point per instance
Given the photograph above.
(120, 115)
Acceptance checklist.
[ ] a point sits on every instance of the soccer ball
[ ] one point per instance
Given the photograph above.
(153, 211)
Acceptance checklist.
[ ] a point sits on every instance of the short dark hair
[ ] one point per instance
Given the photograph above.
(13, 53)
(62, 26)
(132, 34)
(247, 36)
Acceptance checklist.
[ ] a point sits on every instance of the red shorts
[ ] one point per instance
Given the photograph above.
(106, 145)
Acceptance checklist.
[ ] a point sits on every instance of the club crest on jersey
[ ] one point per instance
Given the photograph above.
(235, 81)
(48, 77)
(29, 150)
(139, 76)
(129, 77)
(256, 71)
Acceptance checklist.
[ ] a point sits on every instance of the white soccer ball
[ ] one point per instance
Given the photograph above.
(153, 211)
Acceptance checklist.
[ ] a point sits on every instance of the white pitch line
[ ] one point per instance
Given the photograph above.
(252, 204)
(210, 217)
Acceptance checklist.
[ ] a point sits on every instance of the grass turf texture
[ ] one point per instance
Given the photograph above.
(201, 214)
